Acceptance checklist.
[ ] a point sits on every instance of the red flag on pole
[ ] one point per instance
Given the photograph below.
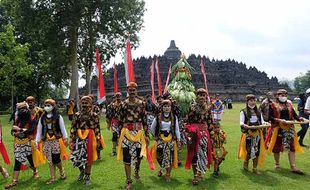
(101, 90)
(167, 80)
(115, 80)
(129, 69)
(152, 82)
(160, 90)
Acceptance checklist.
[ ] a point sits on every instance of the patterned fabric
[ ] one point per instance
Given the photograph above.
(51, 147)
(287, 136)
(132, 146)
(79, 154)
(218, 140)
(113, 110)
(253, 146)
(167, 156)
(150, 119)
(202, 155)
(200, 114)
(84, 121)
(133, 112)
(21, 151)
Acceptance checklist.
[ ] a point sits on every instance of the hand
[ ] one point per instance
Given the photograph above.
(266, 123)
(66, 142)
(246, 126)
(36, 144)
(16, 128)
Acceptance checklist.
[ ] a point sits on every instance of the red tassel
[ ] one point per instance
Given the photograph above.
(90, 150)
(4, 154)
(150, 159)
(24, 167)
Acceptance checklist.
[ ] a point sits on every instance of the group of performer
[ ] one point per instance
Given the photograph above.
(40, 135)
(278, 116)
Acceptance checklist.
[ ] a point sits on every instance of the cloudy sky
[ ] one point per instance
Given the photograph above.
(273, 36)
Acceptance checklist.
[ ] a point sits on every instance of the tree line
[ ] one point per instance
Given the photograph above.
(44, 43)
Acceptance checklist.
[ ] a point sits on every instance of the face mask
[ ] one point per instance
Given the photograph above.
(252, 107)
(282, 99)
(48, 109)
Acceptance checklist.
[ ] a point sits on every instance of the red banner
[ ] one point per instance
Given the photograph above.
(101, 90)
(115, 80)
(167, 80)
(130, 74)
(160, 90)
(152, 82)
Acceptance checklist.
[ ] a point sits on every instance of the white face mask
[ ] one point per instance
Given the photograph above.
(48, 109)
(282, 99)
(252, 107)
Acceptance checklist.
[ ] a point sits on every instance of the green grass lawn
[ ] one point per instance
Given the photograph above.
(108, 173)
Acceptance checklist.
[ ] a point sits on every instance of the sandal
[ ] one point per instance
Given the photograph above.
(35, 175)
(128, 185)
(277, 167)
(168, 178)
(51, 180)
(63, 174)
(195, 181)
(13, 184)
(297, 171)
(256, 172)
(159, 174)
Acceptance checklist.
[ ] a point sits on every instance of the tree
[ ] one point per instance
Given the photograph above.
(47, 52)
(13, 63)
(181, 87)
(302, 83)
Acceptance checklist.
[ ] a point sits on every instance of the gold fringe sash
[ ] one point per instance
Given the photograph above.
(102, 142)
(37, 154)
(274, 136)
(139, 137)
(243, 152)
(82, 135)
(175, 149)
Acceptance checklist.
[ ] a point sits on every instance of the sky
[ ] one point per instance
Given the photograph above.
(273, 36)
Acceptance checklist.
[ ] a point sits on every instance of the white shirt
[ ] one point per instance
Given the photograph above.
(307, 106)
(61, 125)
(166, 127)
(253, 119)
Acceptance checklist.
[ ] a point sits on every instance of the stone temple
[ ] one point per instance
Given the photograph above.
(228, 78)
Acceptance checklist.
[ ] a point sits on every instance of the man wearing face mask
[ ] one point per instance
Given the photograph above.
(23, 130)
(134, 134)
(51, 130)
(112, 117)
(84, 134)
(252, 140)
(165, 129)
(284, 135)
(199, 124)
